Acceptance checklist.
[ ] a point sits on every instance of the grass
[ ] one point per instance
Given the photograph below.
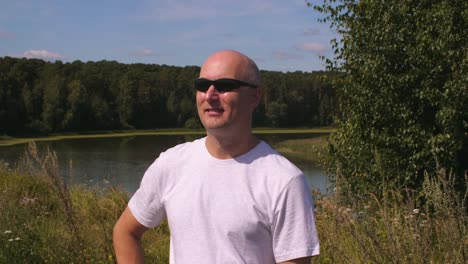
(308, 149)
(8, 141)
(44, 220)
(428, 226)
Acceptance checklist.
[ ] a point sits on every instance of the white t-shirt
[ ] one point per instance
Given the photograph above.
(256, 208)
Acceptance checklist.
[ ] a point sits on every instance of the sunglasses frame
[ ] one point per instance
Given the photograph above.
(234, 84)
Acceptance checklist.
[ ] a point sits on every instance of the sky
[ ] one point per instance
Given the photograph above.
(279, 35)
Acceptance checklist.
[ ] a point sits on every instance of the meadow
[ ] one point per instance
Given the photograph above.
(45, 221)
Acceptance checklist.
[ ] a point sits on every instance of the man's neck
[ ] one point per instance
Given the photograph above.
(228, 147)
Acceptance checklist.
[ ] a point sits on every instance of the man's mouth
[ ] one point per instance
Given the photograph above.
(214, 110)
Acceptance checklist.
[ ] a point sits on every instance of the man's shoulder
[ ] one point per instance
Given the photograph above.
(180, 150)
(273, 161)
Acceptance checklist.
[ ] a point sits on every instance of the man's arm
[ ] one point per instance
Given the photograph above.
(305, 260)
(127, 236)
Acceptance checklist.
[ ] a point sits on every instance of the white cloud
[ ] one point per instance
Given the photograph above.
(143, 53)
(42, 54)
(311, 46)
(284, 55)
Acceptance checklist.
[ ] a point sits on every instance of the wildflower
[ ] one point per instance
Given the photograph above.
(408, 216)
(423, 223)
(7, 232)
(11, 239)
(17, 238)
(27, 201)
(415, 211)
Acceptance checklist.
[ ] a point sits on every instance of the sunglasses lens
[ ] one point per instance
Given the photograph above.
(202, 85)
(221, 85)
(226, 85)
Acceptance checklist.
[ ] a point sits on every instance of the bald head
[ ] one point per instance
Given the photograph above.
(230, 64)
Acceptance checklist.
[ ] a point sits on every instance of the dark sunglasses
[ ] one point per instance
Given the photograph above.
(221, 85)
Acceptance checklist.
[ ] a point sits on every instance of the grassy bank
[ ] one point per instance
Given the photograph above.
(8, 141)
(43, 220)
(307, 149)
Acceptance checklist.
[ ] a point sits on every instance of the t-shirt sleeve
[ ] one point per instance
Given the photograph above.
(146, 203)
(293, 225)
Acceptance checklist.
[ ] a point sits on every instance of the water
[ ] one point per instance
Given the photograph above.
(122, 161)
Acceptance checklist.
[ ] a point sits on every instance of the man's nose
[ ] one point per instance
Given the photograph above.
(211, 93)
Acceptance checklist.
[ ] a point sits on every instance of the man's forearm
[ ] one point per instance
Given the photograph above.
(128, 248)
(127, 239)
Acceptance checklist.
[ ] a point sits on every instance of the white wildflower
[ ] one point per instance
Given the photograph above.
(415, 211)
(7, 232)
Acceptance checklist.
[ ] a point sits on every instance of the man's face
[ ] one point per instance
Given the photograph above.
(229, 111)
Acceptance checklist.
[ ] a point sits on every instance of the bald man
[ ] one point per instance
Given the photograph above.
(228, 197)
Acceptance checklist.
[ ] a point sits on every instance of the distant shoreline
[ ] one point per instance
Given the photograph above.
(9, 141)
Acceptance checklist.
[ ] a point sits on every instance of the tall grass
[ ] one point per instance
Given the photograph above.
(428, 226)
(44, 220)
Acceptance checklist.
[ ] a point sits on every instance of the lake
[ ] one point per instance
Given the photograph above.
(122, 161)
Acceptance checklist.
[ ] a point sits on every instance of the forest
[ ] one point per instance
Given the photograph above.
(40, 97)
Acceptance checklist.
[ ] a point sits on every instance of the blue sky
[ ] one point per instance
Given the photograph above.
(279, 35)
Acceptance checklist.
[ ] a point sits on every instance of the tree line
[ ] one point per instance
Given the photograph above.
(40, 97)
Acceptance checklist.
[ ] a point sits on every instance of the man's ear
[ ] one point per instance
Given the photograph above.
(256, 97)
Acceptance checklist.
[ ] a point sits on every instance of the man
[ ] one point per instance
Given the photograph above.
(228, 197)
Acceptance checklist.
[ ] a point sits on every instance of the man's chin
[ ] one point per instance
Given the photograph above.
(213, 123)
(215, 126)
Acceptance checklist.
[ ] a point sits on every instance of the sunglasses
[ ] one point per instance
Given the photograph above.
(221, 85)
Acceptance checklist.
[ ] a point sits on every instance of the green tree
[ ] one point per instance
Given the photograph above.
(276, 113)
(77, 115)
(403, 94)
(53, 87)
(127, 99)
